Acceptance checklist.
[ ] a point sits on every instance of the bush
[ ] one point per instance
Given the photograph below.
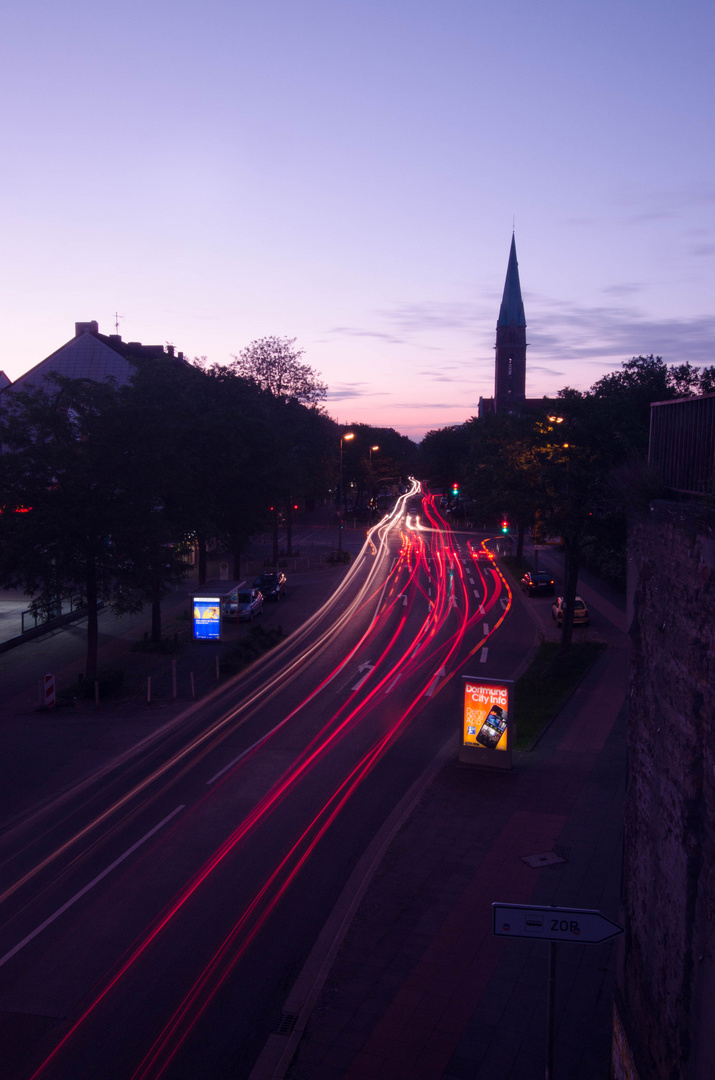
(258, 642)
(110, 682)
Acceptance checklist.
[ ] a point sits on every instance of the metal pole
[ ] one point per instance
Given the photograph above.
(340, 500)
(550, 1012)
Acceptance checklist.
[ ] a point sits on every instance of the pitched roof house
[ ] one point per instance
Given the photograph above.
(91, 355)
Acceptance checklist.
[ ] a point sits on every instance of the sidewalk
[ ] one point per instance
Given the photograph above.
(410, 984)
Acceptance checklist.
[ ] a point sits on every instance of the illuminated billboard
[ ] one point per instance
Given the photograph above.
(207, 618)
(487, 727)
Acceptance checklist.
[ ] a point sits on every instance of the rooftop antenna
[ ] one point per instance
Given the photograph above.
(117, 317)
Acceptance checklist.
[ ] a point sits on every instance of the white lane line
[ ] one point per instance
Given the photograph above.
(480, 609)
(485, 627)
(483, 657)
(435, 682)
(95, 881)
(471, 581)
(504, 603)
(476, 593)
(395, 680)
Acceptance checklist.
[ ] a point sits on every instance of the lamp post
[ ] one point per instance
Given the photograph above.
(372, 485)
(343, 438)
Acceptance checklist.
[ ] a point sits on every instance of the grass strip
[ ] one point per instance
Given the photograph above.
(546, 685)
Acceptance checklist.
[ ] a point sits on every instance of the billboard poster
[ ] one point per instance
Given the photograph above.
(207, 618)
(487, 730)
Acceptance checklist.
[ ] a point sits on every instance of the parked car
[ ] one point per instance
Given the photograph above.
(538, 583)
(360, 513)
(580, 611)
(243, 604)
(271, 584)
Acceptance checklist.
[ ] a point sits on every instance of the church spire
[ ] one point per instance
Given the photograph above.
(511, 312)
(510, 354)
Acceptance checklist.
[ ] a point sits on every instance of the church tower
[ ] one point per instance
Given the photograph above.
(510, 359)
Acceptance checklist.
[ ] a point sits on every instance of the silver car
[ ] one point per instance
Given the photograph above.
(243, 604)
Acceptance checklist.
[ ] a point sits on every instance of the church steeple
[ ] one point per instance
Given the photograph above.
(510, 358)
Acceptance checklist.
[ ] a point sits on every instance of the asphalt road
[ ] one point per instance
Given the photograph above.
(155, 914)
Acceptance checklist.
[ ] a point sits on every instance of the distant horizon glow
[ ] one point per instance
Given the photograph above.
(349, 174)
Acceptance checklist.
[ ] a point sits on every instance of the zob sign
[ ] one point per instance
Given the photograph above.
(487, 723)
(583, 926)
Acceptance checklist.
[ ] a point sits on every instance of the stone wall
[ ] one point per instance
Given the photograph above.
(667, 985)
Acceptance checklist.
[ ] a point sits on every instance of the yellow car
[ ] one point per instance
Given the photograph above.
(580, 611)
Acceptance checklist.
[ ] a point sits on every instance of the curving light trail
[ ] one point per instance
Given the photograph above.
(419, 627)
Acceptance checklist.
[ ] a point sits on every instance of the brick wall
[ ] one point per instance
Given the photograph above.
(667, 984)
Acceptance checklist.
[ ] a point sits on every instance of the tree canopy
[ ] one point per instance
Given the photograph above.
(273, 363)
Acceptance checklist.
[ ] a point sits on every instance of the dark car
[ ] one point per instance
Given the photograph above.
(360, 513)
(271, 585)
(537, 583)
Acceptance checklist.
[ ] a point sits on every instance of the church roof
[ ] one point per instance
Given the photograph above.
(511, 312)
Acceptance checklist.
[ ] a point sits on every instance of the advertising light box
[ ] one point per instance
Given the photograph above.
(207, 618)
(487, 723)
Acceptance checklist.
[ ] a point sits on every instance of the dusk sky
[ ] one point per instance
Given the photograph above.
(348, 172)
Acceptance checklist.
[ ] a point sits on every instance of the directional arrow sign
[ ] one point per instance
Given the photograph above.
(578, 925)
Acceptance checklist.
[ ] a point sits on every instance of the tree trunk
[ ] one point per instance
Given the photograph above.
(156, 616)
(520, 530)
(289, 527)
(275, 538)
(571, 568)
(201, 544)
(90, 668)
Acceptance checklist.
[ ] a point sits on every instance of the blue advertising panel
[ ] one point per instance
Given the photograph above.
(207, 618)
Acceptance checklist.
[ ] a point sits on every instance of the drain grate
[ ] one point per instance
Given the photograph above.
(549, 858)
(286, 1024)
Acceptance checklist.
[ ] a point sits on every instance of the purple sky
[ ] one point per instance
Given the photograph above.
(347, 172)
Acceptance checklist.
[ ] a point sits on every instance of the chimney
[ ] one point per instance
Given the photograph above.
(86, 328)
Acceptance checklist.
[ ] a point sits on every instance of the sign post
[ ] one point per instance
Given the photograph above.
(579, 926)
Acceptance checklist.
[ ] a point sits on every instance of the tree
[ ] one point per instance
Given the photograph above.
(294, 421)
(273, 363)
(94, 527)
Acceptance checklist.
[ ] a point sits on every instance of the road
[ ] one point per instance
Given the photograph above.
(154, 916)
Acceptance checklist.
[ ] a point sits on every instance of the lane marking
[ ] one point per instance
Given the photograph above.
(485, 627)
(483, 657)
(395, 680)
(365, 676)
(77, 896)
(435, 682)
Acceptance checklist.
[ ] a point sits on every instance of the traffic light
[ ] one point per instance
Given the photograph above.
(505, 526)
(455, 490)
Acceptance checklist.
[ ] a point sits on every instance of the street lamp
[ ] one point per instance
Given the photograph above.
(343, 438)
